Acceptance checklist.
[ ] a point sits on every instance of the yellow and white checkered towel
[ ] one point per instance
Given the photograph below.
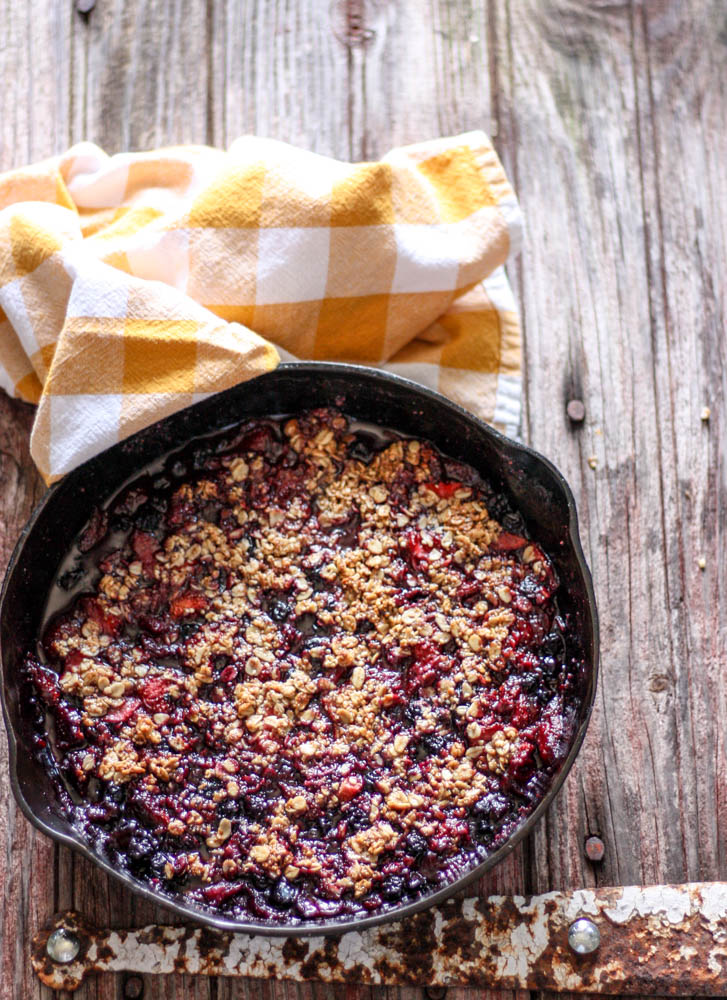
(130, 285)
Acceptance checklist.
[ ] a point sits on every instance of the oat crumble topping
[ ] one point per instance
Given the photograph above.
(318, 671)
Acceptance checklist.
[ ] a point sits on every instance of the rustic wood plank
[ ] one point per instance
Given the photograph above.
(140, 74)
(33, 124)
(26, 858)
(613, 127)
(683, 115)
(35, 71)
(278, 70)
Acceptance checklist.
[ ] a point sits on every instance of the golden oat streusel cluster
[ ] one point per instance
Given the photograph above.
(316, 676)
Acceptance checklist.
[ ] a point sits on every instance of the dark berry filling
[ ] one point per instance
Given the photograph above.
(307, 670)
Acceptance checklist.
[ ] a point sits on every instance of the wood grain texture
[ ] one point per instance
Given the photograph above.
(611, 118)
(629, 316)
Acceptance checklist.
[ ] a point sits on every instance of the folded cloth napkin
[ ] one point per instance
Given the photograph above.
(136, 284)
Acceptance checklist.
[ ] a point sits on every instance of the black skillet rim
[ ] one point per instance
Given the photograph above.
(334, 926)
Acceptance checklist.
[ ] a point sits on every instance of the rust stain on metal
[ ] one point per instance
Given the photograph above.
(667, 940)
(458, 935)
(295, 949)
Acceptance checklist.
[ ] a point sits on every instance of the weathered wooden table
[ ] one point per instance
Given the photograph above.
(611, 118)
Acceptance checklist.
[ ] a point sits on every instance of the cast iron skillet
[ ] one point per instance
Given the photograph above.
(535, 486)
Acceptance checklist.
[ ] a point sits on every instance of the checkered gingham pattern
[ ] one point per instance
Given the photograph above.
(130, 285)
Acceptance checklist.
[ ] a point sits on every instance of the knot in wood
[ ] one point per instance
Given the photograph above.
(351, 22)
